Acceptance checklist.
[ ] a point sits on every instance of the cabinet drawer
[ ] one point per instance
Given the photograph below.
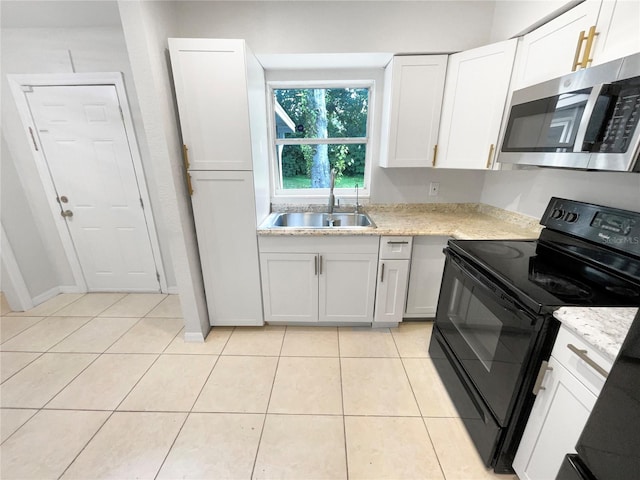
(563, 351)
(395, 248)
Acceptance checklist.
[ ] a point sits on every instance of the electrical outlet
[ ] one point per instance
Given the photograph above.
(434, 188)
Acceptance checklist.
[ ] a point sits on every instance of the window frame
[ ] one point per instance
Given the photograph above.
(313, 194)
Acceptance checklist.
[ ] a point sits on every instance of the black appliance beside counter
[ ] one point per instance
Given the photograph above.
(494, 323)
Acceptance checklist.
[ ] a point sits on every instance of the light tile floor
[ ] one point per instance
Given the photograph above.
(103, 386)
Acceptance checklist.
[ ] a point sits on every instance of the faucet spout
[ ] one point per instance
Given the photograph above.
(332, 198)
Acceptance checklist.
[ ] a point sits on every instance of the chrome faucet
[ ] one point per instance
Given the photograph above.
(357, 209)
(332, 198)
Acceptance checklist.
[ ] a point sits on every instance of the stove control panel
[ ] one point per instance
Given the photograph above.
(618, 229)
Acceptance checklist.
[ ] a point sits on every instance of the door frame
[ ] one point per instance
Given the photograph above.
(18, 84)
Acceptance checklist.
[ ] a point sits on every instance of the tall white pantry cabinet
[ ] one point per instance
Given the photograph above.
(220, 90)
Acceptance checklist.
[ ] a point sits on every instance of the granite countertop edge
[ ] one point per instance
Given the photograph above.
(457, 220)
(604, 328)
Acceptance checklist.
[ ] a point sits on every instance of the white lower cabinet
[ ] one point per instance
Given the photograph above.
(569, 391)
(425, 277)
(318, 280)
(290, 286)
(391, 291)
(393, 276)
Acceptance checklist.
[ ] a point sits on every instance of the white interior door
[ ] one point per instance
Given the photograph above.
(85, 144)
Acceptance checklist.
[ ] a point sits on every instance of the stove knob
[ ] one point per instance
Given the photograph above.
(571, 217)
(557, 213)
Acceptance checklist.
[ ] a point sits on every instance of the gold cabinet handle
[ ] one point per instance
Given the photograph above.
(435, 155)
(320, 265)
(586, 60)
(189, 184)
(185, 157)
(491, 149)
(576, 59)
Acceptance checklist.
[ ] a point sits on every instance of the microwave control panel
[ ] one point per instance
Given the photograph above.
(624, 117)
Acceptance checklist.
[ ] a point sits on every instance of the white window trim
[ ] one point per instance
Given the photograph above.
(318, 195)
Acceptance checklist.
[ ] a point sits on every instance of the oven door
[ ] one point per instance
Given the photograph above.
(489, 334)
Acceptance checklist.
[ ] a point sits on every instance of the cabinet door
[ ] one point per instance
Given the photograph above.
(391, 291)
(347, 287)
(290, 286)
(413, 102)
(224, 214)
(211, 88)
(474, 99)
(425, 277)
(559, 414)
(618, 30)
(549, 51)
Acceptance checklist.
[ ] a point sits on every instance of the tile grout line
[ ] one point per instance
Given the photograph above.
(424, 423)
(5, 340)
(86, 444)
(264, 421)
(344, 420)
(186, 417)
(23, 367)
(210, 372)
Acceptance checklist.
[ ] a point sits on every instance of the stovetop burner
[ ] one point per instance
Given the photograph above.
(543, 277)
(561, 286)
(500, 250)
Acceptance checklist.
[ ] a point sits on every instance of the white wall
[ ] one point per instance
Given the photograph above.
(65, 50)
(529, 191)
(147, 25)
(341, 27)
(25, 239)
(512, 18)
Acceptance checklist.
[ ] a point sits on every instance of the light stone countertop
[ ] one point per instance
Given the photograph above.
(604, 328)
(458, 220)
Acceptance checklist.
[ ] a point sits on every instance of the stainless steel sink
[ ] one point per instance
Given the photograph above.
(318, 220)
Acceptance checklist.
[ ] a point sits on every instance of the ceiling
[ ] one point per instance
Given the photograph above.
(58, 14)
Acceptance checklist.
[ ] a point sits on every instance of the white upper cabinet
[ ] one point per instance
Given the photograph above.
(554, 49)
(592, 33)
(474, 99)
(618, 30)
(212, 80)
(413, 99)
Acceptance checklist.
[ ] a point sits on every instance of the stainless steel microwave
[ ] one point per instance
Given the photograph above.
(585, 120)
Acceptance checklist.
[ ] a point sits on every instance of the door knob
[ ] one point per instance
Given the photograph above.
(66, 213)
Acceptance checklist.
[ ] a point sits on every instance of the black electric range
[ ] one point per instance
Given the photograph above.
(494, 323)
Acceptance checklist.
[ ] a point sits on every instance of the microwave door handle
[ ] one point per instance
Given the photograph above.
(586, 117)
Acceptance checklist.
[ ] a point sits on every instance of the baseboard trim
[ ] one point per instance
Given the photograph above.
(71, 289)
(44, 296)
(193, 337)
(172, 290)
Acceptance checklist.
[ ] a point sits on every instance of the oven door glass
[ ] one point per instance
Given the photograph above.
(490, 336)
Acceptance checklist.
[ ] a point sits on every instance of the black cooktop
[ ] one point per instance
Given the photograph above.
(543, 277)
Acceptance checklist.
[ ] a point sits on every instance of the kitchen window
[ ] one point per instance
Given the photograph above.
(317, 128)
